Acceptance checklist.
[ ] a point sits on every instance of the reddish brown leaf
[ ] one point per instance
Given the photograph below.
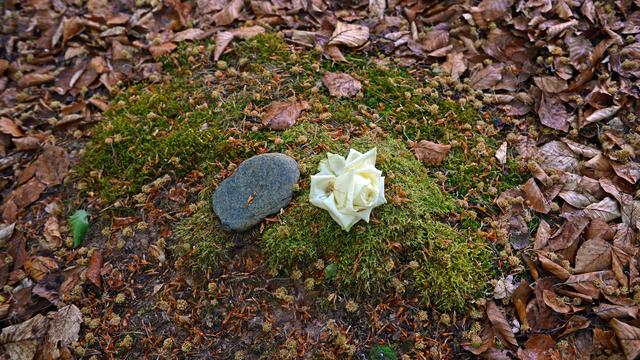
(552, 301)
(94, 268)
(520, 298)
(33, 79)
(607, 210)
(430, 153)
(535, 198)
(557, 155)
(162, 49)
(593, 255)
(629, 171)
(539, 347)
(550, 84)
(608, 311)
(341, 84)
(9, 127)
(629, 338)
(553, 113)
(229, 14)
(282, 115)
(500, 325)
(351, 35)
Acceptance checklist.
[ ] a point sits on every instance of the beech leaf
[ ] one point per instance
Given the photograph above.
(500, 324)
(79, 223)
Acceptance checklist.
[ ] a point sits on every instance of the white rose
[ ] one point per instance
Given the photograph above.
(348, 188)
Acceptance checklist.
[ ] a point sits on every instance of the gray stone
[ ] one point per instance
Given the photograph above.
(261, 186)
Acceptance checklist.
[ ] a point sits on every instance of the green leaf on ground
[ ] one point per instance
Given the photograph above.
(79, 223)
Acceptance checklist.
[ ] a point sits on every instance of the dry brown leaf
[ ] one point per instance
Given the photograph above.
(501, 325)
(584, 283)
(535, 198)
(455, 65)
(94, 268)
(629, 338)
(9, 127)
(376, 9)
(20, 198)
(550, 84)
(557, 155)
(542, 235)
(34, 79)
(487, 77)
(189, 34)
(520, 298)
(72, 27)
(555, 269)
(351, 35)
(539, 346)
(553, 113)
(162, 49)
(609, 311)
(593, 255)
(552, 301)
(52, 233)
(224, 38)
(606, 209)
(38, 266)
(577, 199)
(341, 84)
(569, 232)
(430, 153)
(629, 171)
(580, 149)
(22, 341)
(64, 329)
(601, 114)
(229, 14)
(27, 143)
(282, 115)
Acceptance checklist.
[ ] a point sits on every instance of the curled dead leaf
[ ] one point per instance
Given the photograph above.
(94, 269)
(341, 84)
(429, 152)
(629, 338)
(501, 325)
(282, 115)
(351, 35)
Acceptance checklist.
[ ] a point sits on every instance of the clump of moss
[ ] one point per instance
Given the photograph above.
(451, 265)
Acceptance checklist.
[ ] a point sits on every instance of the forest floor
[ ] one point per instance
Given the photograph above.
(506, 131)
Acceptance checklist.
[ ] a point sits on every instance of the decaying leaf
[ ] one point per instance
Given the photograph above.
(557, 155)
(629, 338)
(593, 255)
(94, 269)
(341, 84)
(535, 198)
(501, 153)
(351, 35)
(224, 38)
(430, 153)
(607, 210)
(500, 324)
(282, 115)
(22, 341)
(64, 328)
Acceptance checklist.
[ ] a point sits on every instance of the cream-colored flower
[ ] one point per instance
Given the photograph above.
(348, 188)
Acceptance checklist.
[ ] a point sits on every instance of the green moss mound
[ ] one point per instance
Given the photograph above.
(449, 266)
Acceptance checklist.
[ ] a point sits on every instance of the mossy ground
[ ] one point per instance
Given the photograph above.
(206, 118)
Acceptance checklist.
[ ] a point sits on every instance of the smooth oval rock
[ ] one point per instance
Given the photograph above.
(261, 186)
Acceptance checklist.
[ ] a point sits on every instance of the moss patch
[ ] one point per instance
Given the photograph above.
(449, 265)
(206, 118)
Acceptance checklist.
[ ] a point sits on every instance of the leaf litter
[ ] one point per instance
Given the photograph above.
(573, 65)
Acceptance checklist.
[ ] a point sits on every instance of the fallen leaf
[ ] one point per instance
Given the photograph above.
(539, 346)
(282, 115)
(550, 84)
(607, 210)
(501, 153)
(376, 9)
(520, 298)
(609, 311)
(552, 301)
(535, 198)
(628, 336)
(593, 255)
(351, 35)
(38, 266)
(162, 49)
(79, 223)
(555, 269)
(455, 65)
(487, 77)
(557, 155)
(224, 38)
(52, 233)
(430, 153)
(64, 329)
(500, 325)
(9, 127)
(189, 34)
(34, 79)
(601, 114)
(229, 14)
(93, 269)
(553, 113)
(21, 341)
(341, 84)
(629, 171)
